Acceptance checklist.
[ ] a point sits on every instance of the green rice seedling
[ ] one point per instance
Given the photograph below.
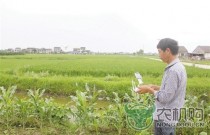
(23, 111)
(84, 108)
(55, 113)
(116, 114)
(36, 96)
(111, 78)
(42, 71)
(139, 109)
(45, 110)
(37, 102)
(197, 111)
(7, 108)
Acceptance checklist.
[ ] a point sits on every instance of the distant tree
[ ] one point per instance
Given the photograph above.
(140, 52)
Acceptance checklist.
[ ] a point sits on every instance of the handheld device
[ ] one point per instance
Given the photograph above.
(139, 78)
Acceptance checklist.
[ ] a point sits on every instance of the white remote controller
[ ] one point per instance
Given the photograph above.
(136, 89)
(139, 78)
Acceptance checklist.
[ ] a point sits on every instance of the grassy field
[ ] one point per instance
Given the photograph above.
(64, 74)
(69, 75)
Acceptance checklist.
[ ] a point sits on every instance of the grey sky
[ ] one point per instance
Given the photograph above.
(108, 25)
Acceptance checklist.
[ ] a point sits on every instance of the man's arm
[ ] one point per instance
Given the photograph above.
(151, 88)
(167, 92)
(146, 89)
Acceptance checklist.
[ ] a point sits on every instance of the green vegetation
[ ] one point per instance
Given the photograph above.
(108, 77)
(38, 115)
(10, 53)
(64, 74)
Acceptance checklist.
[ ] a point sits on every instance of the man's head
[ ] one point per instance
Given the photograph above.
(168, 49)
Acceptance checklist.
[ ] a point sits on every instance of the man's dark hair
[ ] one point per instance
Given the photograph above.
(168, 43)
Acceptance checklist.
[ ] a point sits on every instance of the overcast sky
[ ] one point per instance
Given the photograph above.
(104, 26)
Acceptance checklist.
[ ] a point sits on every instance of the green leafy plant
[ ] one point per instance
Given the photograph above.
(84, 108)
(7, 107)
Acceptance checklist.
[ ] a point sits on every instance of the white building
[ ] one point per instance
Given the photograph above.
(57, 50)
(18, 49)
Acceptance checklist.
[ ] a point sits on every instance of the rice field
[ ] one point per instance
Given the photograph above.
(64, 74)
(84, 79)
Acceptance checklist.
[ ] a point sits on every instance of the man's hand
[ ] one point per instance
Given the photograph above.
(146, 89)
(155, 87)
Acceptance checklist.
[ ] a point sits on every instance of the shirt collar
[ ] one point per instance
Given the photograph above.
(172, 63)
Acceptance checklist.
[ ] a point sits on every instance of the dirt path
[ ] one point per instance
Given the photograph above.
(188, 64)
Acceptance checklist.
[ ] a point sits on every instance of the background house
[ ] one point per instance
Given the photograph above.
(76, 51)
(18, 49)
(48, 51)
(57, 50)
(44, 50)
(182, 52)
(10, 50)
(81, 50)
(201, 52)
(31, 50)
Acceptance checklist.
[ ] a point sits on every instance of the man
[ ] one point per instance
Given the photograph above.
(170, 96)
